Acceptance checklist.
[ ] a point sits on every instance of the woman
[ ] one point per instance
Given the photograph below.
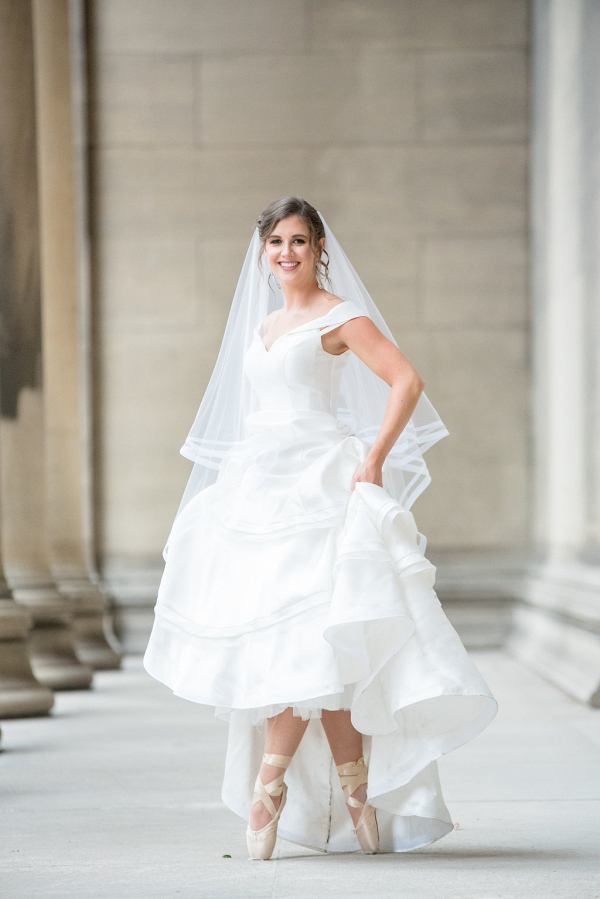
(296, 598)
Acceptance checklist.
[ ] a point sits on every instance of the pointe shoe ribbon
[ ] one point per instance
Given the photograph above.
(262, 842)
(352, 776)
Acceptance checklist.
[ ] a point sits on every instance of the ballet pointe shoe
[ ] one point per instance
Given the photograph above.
(262, 842)
(352, 776)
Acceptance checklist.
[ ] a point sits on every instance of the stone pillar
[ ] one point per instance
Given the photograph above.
(20, 692)
(557, 623)
(22, 481)
(61, 152)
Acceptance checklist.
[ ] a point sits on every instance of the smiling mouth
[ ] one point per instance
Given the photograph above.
(289, 265)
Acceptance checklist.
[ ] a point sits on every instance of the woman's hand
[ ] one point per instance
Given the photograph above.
(369, 471)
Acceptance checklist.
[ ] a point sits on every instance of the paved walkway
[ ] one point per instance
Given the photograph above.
(117, 796)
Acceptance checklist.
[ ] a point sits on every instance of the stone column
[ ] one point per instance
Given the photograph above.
(61, 149)
(557, 623)
(22, 481)
(20, 693)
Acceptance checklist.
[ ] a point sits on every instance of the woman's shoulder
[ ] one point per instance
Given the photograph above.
(346, 306)
(333, 300)
(348, 309)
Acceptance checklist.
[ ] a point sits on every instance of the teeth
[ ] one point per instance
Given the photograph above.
(288, 264)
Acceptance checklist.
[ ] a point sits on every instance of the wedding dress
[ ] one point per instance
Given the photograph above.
(283, 587)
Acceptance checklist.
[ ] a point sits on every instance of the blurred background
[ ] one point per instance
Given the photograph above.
(452, 146)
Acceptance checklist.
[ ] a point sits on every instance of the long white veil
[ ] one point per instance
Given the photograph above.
(220, 425)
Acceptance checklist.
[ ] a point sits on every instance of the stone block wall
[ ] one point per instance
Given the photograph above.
(406, 123)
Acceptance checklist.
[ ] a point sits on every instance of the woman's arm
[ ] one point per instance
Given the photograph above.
(363, 337)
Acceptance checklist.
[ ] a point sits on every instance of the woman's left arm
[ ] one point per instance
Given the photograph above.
(363, 337)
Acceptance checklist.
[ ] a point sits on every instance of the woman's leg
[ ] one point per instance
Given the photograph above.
(284, 733)
(346, 744)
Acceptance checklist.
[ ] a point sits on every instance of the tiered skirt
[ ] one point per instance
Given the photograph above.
(284, 587)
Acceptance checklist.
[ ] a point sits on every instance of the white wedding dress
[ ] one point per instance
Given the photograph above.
(282, 587)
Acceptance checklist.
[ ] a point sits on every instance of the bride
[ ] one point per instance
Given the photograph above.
(296, 597)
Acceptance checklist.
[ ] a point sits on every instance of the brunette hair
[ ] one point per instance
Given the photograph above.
(282, 209)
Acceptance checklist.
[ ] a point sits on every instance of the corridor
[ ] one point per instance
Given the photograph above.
(117, 796)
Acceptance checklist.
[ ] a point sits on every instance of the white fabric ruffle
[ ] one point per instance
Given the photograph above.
(330, 611)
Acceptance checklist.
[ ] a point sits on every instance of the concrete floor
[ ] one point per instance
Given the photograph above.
(117, 796)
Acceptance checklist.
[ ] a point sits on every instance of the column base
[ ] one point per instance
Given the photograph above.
(91, 643)
(54, 661)
(21, 695)
(556, 629)
(94, 643)
(23, 701)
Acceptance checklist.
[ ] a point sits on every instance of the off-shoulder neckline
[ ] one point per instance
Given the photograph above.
(260, 327)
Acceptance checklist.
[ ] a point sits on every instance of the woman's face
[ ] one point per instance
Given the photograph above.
(289, 253)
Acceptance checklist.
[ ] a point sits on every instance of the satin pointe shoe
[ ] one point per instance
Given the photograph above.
(352, 776)
(262, 842)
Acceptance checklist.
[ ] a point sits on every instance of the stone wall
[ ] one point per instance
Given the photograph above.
(405, 123)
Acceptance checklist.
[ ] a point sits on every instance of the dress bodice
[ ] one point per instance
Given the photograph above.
(296, 373)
